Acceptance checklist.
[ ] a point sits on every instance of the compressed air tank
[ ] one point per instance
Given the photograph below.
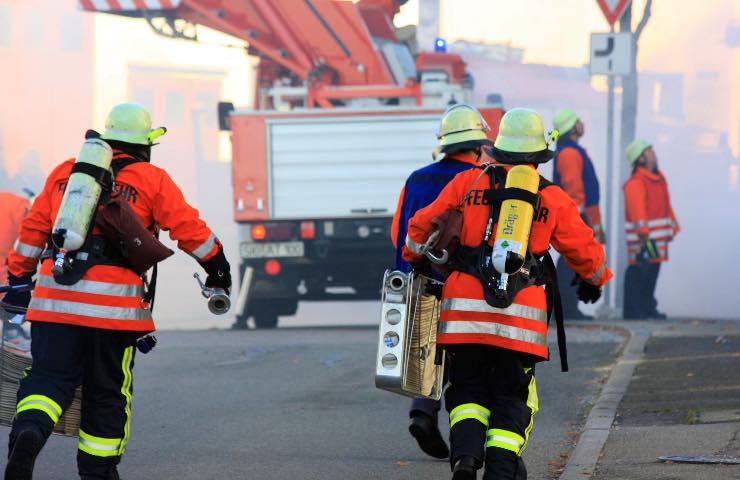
(515, 222)
(81, 198)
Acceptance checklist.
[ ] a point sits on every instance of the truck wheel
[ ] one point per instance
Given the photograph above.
(265, 320)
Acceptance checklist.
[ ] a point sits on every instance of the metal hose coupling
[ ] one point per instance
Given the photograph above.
(218, 300)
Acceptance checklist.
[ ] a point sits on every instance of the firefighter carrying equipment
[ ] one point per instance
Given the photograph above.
(521, 139)
(107, 296)
(466, 315)
(462, 128)
(125, 242)
(90, 175)
(635, 150)
(131, 123)
(564, 120)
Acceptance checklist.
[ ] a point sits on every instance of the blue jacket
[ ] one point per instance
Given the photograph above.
(590, 182)
(422, 188)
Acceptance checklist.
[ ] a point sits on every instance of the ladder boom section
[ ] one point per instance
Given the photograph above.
(324, 41)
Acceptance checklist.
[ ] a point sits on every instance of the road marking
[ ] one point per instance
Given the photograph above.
(583, 460)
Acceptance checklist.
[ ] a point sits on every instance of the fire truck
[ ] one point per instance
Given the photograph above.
(343, 113)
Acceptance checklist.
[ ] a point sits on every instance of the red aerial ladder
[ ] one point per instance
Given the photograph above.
(342, 114)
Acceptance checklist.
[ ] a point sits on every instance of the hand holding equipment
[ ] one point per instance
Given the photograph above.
(18, 293)
(219, 272)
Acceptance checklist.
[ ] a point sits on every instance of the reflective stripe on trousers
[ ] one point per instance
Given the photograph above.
(99, 446)
(512, 441)
(470, 411)
(42, 403)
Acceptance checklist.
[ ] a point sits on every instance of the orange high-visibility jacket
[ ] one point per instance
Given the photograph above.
(648, 213)
(12, 210)
(466, 317)
(570, 171)
(108, 296)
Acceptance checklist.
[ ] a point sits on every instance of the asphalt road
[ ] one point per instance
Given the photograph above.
(299, 403)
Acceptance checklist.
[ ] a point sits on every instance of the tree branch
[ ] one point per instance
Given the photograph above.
(644, 20)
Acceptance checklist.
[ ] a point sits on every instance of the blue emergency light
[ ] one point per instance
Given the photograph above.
(440, 45)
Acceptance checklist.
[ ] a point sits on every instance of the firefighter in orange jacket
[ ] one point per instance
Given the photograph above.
(12, 208)
(650, 226)
(84, 332)
(492, 350)
(574, 172)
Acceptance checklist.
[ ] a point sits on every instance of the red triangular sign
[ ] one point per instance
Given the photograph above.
(613, 9)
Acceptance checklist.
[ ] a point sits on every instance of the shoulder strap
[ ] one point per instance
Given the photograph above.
(544, 183)
(555, 306)
(100, 175)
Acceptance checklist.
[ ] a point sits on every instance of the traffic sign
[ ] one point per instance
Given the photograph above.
(613, 9)
(611, 53)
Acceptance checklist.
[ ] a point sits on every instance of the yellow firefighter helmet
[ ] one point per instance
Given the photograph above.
(635, 150)
(521, 138)
(131, 123)
(564, 120)
(462, 128)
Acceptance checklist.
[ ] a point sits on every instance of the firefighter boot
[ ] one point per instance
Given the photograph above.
(25, 445)
(426, 432)
(465, 468)
(503, 464)
(91, 467)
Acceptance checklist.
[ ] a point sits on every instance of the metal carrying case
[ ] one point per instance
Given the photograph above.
(408, 361)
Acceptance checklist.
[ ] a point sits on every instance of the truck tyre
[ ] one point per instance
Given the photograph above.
(265, 320)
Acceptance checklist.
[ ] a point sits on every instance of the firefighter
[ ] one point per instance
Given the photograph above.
(574, 172)
(650, 226)
(492, 395)
(462, 135)
(15, 208)
(84, 332)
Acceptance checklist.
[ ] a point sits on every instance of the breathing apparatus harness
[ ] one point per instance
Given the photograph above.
(101, 249)
(537, 270)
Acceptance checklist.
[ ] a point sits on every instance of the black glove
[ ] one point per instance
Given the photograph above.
(586, 292)
(219, 271)
(18, 298)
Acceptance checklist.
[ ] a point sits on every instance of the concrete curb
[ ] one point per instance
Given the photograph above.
(583, 460)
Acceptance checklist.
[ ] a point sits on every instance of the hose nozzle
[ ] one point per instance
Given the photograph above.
(218, 300)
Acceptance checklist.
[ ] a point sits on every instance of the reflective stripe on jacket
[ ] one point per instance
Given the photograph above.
(649, 214)
(466, 317)
(107, 296)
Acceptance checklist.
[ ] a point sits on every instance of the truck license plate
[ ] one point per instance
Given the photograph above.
(274, 250)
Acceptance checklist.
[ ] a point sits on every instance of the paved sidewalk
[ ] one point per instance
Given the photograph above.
(683, 399)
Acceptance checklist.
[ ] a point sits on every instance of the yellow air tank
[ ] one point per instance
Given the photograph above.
(80, 201)
(514, 223)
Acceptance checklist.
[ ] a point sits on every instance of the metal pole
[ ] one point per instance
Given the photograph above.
(610, 225)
